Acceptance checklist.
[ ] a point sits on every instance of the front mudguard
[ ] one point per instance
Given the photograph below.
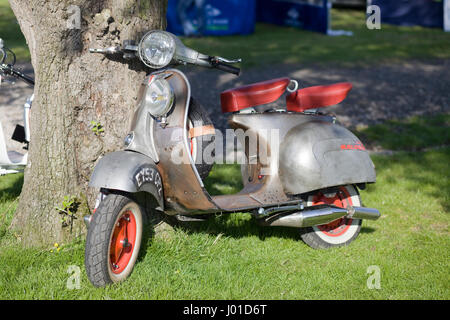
(128, 171)
(319, 154)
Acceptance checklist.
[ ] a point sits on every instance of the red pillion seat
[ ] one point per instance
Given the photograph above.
(317, 97)
(253, 95)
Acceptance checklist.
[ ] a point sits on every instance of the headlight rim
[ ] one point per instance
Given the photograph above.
(142, 55)
(168, 105)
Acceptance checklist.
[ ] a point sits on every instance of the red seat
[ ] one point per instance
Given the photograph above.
(317, 97)
(253, 95)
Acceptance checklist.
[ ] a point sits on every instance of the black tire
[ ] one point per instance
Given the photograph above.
(345, 230)
(102, 234)
(199, 117)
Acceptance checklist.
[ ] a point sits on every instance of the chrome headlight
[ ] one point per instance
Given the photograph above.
(156, 49)
(159, 97)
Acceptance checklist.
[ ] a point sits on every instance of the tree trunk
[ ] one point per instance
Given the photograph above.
(74, 88)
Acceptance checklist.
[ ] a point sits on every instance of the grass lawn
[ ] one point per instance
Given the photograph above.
(275, 44)
(11, 34)
(272, 44)
(230, 257)
(413, 134)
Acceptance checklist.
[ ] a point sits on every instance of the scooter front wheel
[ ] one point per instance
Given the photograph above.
(113, 240)
(339, 232)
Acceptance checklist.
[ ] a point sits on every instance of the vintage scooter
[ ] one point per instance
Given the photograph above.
(307, 179)
(12, 161)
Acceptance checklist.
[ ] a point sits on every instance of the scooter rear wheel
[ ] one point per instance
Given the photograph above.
(113, 240)
(339, 232)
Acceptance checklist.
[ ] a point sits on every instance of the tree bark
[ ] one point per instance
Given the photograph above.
(73, 88)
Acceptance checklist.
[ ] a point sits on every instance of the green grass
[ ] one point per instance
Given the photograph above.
(415, 133)
(272, 44)
(230, 257)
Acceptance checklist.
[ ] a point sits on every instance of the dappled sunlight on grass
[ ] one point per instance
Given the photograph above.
(224, 179)
(10, 187)
(276, 44)
(230, 256)
(419, 179)
(415, 133)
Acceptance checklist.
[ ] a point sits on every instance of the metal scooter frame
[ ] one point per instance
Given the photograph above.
(183, 190)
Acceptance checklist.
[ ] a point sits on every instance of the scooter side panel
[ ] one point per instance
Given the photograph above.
(317, 155)
(183, 189)
(130, 172)
(142, 127)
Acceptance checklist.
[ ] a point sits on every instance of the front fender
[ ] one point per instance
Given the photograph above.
(319, 155)
(130, 172)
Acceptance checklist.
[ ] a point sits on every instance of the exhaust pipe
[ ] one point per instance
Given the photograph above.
(363, 213)
(319, 215)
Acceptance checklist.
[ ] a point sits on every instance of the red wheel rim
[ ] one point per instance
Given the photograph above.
(122, 242)
(341, 199)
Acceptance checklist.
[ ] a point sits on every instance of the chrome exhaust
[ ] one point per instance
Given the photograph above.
(318, 215)
(363, 213)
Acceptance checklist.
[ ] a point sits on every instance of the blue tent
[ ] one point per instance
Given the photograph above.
(311, 15)
(427, 13)
(210, 17)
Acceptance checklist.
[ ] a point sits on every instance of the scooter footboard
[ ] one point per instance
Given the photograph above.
(319, 155)
(130, 172)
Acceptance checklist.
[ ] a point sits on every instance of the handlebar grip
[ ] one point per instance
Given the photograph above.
(227, 68)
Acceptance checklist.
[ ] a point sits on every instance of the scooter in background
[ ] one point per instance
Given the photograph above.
(13, 161)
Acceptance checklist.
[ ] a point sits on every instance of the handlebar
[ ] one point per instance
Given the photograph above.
(182, 55)
(225, 67)
(8, 69)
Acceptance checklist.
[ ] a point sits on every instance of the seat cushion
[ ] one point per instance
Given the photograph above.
(317, 97)
(253, 95)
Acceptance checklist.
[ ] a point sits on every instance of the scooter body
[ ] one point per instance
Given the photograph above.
(314, 153)
(301, 169)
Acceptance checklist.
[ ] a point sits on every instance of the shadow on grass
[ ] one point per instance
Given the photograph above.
(224, 179)
(245, 228)
(413, 134)
(426, 172)
(228, 177)
(10, 186)
(239, 226)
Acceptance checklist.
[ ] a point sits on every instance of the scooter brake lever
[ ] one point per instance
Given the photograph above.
(220, 59)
